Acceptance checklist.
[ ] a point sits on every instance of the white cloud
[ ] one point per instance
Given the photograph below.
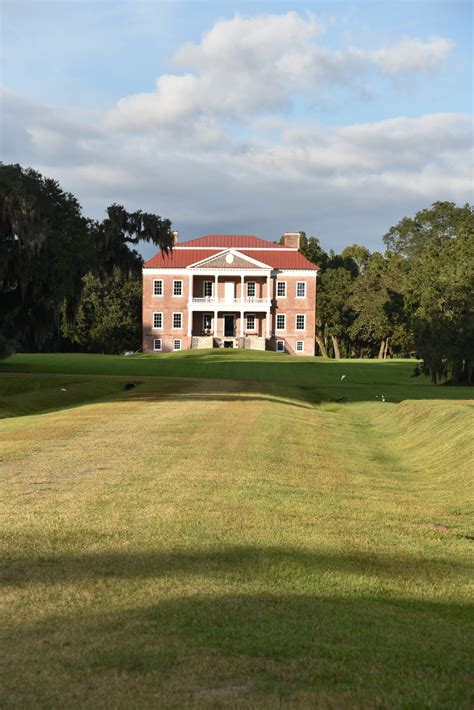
(219, 148)
(251, 65)
(410, 55)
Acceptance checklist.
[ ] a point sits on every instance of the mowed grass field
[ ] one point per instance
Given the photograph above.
(225, 534)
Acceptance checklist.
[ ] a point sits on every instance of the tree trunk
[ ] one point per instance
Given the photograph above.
(322, 347)
(335, 344)
(381, 350)
(385, 352)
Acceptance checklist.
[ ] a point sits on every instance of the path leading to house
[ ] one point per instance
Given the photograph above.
(216, 544)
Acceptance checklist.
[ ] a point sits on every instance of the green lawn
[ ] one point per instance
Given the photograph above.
(240, 542)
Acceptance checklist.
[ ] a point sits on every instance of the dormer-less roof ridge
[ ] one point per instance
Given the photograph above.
(238, 241)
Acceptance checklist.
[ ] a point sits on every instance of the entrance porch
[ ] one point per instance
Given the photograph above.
(230, 324)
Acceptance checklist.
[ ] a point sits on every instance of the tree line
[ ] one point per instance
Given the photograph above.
(415, 300)
(68, 282)
(72, 283)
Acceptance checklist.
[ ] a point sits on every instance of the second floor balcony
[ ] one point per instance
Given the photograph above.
(230, 301)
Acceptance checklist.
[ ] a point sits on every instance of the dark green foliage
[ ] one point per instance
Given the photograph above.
(44, 250)
(108, 317)
(47, 247)
(438, 250)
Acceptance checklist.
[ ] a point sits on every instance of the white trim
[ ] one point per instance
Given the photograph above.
(158, 295)
(299, 350)
(280, 315)
(206, 281)
(274, 247)
(150, 271)
(157, 327)
(160, 341)
(234, 252)
(208, 313)
(278, 282)
(177, 340)
(177, 295)
(300, 315)
(296, 289)
(247, 327)
(295, 272)
(280, 342)
(177, 327)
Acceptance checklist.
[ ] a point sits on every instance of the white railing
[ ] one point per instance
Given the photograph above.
(248, 299)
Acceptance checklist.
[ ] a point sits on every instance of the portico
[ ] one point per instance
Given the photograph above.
(226, 297)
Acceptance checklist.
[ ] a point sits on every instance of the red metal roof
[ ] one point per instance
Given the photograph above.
(273, 255)
(231, 240)
(179, 258)
(281, 259)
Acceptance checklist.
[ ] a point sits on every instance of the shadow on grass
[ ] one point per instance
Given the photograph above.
(236, 563)
(384, 650)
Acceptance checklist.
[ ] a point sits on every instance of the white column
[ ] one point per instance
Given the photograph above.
(242, 295)
(241, 323)
(267, 323)
(216, 287)
(190, 310)
(215, 324)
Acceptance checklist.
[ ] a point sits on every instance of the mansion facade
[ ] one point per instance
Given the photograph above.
(230, 291)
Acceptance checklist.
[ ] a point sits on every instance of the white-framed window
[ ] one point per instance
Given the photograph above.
(157, 320)
(280, 346)
(158, 287)
(176, 344)
(281, 321)
(157, 345)
(300, 321)
(177, 321)
(300, 346)
(281, 289)
(301, 289)
(251, 289)
(207, 289)
(177, 288)
(206, 322)
(250, 321)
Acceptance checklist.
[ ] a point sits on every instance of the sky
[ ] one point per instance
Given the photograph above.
(337, 118)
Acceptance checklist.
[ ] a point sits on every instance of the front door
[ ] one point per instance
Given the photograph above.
(229, 326)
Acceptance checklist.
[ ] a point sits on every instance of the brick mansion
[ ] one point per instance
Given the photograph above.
(230, 291)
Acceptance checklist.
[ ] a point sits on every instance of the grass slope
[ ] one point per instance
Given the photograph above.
(220, 543)
(319, 380)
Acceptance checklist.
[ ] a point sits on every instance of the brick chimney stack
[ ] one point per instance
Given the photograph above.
(292, 239)
(175, 237)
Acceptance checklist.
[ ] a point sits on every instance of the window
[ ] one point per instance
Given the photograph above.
(158, 287)
(280, 346)
(157, 345)
(207, 289)
(281, 321)
(300, 346)
(177, 288)
(207, 322)
(250, 322)
(176, 344)
(251, 289)
(300, 321)
(157, 320)
(301, 289)
(281, 289)
(177, 321)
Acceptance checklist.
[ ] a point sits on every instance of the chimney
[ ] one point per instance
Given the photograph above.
(175, 237)
(292, 239)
